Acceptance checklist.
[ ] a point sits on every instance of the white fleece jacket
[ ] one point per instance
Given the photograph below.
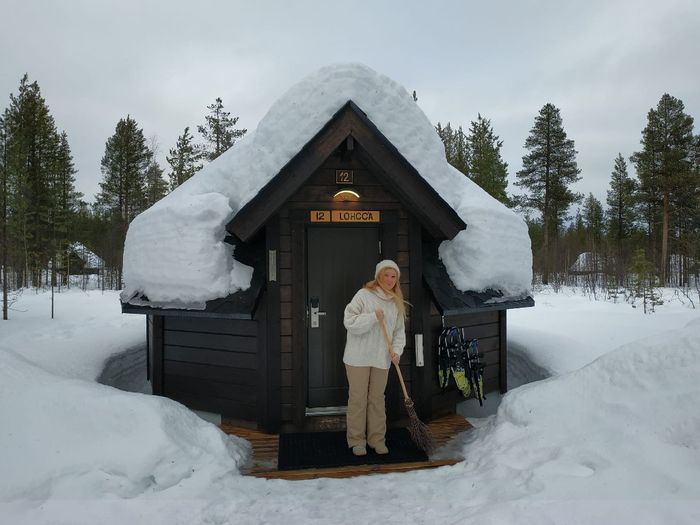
(365, 345)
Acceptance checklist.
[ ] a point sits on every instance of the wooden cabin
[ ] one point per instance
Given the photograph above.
(271, 356)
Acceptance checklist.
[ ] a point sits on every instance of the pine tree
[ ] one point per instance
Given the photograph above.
(548, 171)
(577, 238)
(65, 202)
(32, 146)
(447, 136)
(122, 193)
(461, 154)
(456, 147)
(486, 167)
(621, 213)
(593, 220)
(3, 213)
(184, 159)
(643, 281)
(123, 169)
(665, 171)
(156, 186)
(219, 132)
(593, 217)
(692, 266)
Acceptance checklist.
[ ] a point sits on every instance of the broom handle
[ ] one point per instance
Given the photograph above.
(388, 346)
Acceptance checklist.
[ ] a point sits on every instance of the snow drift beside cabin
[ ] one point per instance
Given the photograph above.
(72, 438)
(174, 251)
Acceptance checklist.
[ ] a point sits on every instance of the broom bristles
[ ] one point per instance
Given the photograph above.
(419, 432)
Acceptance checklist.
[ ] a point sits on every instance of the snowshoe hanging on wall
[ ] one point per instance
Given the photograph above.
(474, 367)
(444, 360)
(460, 359)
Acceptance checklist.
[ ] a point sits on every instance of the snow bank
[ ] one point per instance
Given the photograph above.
(624, 427)
(174, 251)
(63, 435)
(73, 438)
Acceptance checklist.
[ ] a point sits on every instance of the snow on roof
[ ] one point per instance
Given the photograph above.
(587, 262)
(175, 250)
(86, 255)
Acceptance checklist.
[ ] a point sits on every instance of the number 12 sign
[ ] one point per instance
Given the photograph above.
(344, 177)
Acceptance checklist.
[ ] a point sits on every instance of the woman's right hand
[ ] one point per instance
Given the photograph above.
(379, 313)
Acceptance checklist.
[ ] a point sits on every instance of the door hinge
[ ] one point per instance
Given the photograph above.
(380, 247)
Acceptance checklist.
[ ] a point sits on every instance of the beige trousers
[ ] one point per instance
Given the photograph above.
(366, 416)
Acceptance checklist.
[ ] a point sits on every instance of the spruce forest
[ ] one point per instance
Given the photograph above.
(646, 234)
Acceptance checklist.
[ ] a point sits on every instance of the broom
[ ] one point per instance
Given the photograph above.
(416, 428)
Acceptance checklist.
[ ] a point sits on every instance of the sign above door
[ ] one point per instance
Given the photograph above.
(344, 177)
(345, 216)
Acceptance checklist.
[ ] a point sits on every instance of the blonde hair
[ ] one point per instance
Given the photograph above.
(396, 291)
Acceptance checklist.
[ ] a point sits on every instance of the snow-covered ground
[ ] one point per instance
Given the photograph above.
(569, 329)
(612, 437)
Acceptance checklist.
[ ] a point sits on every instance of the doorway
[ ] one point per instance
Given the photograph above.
(340, 260)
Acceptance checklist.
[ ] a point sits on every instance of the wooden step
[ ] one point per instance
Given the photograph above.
(265, 450)
(349, 472)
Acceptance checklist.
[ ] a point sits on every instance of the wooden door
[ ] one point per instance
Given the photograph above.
(339, 261)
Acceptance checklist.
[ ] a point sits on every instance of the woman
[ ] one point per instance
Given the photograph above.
(367, 358)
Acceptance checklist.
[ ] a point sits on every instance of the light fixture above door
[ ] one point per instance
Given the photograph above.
(346, 195)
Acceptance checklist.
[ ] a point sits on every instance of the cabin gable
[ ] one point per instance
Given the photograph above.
(350, 126)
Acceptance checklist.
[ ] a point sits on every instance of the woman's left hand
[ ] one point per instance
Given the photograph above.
(395, 358)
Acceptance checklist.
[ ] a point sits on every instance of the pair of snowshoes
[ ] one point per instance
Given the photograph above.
(459, 359)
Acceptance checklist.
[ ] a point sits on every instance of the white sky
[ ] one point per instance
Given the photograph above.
(604, 64)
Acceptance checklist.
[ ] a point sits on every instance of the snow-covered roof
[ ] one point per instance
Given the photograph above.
(86, 255)
(588, 262)
(175, 251)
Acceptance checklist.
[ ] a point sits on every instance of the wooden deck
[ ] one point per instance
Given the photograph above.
(263, 462)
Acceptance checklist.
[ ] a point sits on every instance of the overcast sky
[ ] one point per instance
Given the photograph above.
(604, 64)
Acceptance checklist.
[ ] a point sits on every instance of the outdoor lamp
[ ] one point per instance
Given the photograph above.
(346, 195)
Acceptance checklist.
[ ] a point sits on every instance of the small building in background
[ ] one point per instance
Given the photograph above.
(82, 261)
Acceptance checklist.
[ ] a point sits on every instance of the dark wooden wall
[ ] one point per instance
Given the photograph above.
(489, 328)
(207, 364)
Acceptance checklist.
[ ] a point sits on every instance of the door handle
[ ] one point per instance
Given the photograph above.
(315, 312)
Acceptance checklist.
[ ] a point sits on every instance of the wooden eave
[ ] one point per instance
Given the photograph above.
(438, 217)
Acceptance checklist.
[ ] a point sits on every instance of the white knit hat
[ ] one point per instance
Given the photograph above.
(387, 263)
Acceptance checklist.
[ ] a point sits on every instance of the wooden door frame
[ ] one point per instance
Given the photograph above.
(299, 221)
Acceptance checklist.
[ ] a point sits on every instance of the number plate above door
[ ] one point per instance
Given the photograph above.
(344, 177)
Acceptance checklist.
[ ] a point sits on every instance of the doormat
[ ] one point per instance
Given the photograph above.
(330, 449)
